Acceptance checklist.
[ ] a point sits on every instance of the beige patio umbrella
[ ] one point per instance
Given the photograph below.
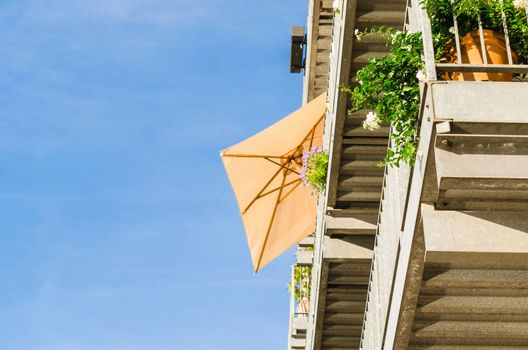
(276, 208)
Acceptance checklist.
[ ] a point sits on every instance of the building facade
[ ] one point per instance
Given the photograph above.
(433, 256)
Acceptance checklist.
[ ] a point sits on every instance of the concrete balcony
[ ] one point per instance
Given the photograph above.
(298, 323)
(347, 215)
(474, 288)
(297, 339)
(342, 291)
(460, 252)
(304, 252)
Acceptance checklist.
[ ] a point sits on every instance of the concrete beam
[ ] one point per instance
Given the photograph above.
(300, 323)
(297, 344)
(340, 65)
(357, 224)
(307, 242)
(304, 257)
(485, 238)
(336, 250)
(481, 101)
(500, 166)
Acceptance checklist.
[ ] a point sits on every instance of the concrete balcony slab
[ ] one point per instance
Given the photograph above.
(481, 101)
(475, 238)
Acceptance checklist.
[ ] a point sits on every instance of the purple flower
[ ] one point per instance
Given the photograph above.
(311, 163)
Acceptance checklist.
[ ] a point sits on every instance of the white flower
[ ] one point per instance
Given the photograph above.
(520, 4)
(421, 76)
(371, 122)
(452, 30)
(395, 36)
(335, 5)
(358, 34)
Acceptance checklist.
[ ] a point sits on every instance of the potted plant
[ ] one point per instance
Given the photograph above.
(467, 13)
(315, 169)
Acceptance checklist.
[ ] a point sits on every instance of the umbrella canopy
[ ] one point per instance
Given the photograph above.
(264, 171)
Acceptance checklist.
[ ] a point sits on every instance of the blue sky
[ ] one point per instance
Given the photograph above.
(119, 229)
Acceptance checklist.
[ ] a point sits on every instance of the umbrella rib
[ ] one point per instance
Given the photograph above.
(278, 188)
(312, 132)
(282, 166)
(271, 222)
(262, 190)
(290, 192)
(312, 136)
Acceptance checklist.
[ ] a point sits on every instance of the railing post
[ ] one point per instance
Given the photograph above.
(427, 38)
(506, 35)
(457, 36)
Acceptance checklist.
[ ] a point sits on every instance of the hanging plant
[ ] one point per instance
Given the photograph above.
(315, 169)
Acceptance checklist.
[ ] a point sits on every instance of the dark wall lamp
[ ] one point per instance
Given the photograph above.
(298, 40)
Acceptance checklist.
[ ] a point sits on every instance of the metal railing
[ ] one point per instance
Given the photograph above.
(417, 19)
(300, 285)
(292, 311)
(300, 294)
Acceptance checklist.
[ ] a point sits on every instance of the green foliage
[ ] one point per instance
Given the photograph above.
(315, 169)
(467, 11)
(302, 279)
(389, 87)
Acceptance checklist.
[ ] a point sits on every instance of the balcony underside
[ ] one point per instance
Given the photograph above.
(462, 275)
(481, 171)
(347, 257)
(355, 177)
(343, 291)
(474, 289)
(355, 173)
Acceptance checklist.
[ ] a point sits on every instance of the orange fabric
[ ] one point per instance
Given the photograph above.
(276, 208)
